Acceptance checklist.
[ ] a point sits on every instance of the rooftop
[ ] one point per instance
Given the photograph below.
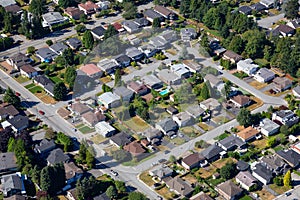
(247, 133)
(7, 161)
(229, 188)
(90, 69)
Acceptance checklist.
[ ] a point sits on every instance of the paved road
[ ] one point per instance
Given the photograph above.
(269, 21)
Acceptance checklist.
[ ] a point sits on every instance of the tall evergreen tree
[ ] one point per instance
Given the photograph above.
(88, 40)
(60, 91)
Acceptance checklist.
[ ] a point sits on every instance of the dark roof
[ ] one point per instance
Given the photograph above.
(121, 139)
(152, 133)
(168, 125)
(201, 196)
(211, 151)
(152, 14)
(20, 59)
(258, 7)
(19, 121)
(141, 22)
(123, 91)
(74, 43)
(285, 29)
(46, 82)
(179, 185)
(11, 182)
(172, 110)
(131, 25)
(27, 68)
(245, 10)
(74, 12)
(57, 156)
(193, 159)
(290, 156)
(162, 10)
(7, 161)
(58, 47)
(45, 146)
(122, 59)
(232, 142)
(101, 197)
(15, 197)
(263, 172)
(99, 31)
(8, 110)
(46, 53)
(242, 165)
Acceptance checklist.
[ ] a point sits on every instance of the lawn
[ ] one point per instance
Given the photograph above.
(134, 162)
(220, 119)
(21, 79)
(165, 192)
(105, 79)
(46, 98)
(240, 75)
(55, 79)
(178, 141)
(97, 139)
(246, 197)
(136, 124)
(214, 182)
(36, 89)
(146, 178)
(206, 172)
(86, 129)
(222, 136)
(265, 195)
(204, 126)
(190, 131)
(79, 125)
(260, 144)
(190, 178)
(30, 85)
(279, 189)
(220, 163)
(258, 85)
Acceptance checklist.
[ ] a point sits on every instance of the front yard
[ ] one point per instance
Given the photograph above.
(279, 189)
(21, 79)
(97, 139)
(86, 129)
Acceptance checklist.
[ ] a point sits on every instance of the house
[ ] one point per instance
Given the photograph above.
(121, 139)
(290, 156)
(247, 66)
(141, 22)
(267, 3)
(88, 7)
(282, 84)
(105, 129)
(72, 194)
(180, 70)
(258, 7)
(79, 108)
(12, 184)
(108, 65)
(8, 163)
(232, 56)
(123, 60)
(201, 196)
(178, 186)
(118, 27)
(57, 156)
(275, 164)
(183, 119)
(135, 148)
(125, 94)
(58, 48)
(188, 34)
(264, 75)
(285, 117)
(193, 160)
(91, 70)
(92, 118)
(262, 173)
(246, 180)
(167, 126)
(46, 55)
(246, 10)
(102, 196)
(172, 110)
(74, 43)
(296, 91)
(8, 111)
(248, 134)
(212, 153)
(18, 60)
(241, 101)
(152, 82)
(150, 15)
(195, 111)
(73, 12)
(228, 190)
(44, 147)
(294, 23)
(17, 123)
(103, 5)
(7, 3)
(242, 165)
(137, 88)
(165, 12)
(52, 18)
(169, 77)
(210, 104)
(231, 143)
(28, 71)
(15, 197)
(296, 147)
(164, 40)
(284, 30)
(214, 81)
(134, 54)
(130, 26)
(149, 50)
(109, 100)
(268, 127)
(161, 171)
(152, 133)
(73, 173)
(98, 32)
(192, 66)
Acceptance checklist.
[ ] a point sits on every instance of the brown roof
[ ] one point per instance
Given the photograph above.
(74, 12)
(90, 69)
(241, 99)
(229, 188)
(192, 159)
(163, 10)
(148, 97)
(135, 86)
(13, 8)
(282, 82)
(247, 133)
(232, 55)
(201, 196)
(28, 69)
(71, 170)
(93, 118)
(89, 5)
(145, 142)
(134, 148)
(178, 185)
(80, 108)
(9, 110)
(285, 29)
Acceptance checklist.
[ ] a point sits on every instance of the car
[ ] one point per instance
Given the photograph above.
(18, 94)
(288, 194)
(114, 173)
(162, 160)
(154, 163)
(41, 112)
(167, 151)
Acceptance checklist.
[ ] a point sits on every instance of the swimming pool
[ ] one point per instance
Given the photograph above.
(164, 92)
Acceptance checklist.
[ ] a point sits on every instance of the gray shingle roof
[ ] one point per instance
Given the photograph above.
(19, 121)
(5, 3)
(263, 172)
(7, 161)
(58, 47)
(152, 14)
(232, 142)
(289, 156)
(211, 151)
(57, 156)
(121, 139)
(46, 54)
(74, 43)
(45, 146)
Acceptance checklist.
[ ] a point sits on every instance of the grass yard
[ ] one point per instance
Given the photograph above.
(214, 182)
(258, 85)
(146, 178)
(29, 85)
(55, 79)
(265, 195)
(105, 79)
(136, 124)
(260, 144)
(86, 129)
(190, 178)
(204, 126)
(111, 149)
(240, 74)
(21, 79)
(36, 89)
(97, 139)
(261, 62)
(134, 162)
(220, 119)
(165, 192)
(104, 177)
(206, 172)
(79, 125)
(246, 197)
(220, 163)
(279, 189)
(190, 131)
(178, 141)
(46, 99)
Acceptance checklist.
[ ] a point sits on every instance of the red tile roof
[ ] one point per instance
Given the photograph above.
(90, 69)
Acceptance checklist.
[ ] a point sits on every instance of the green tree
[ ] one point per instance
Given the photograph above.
(90, 159)
(49, 42)
(45, 179)
(37, 30)
(255, 42)
(11, 145)
(244, 117)
(80, 28)
(110, 31)
(120, 186)
(136, 196)
(118, 78)
(130, 10)
(68, 55)
(111, 192)
(287, 180)
(291, 9)
(70, 76)
(172, 159)
(64, 3)
(11, 98)
(106, 88)
(37, 7)
(156, 23)
(60, 91)
(88, 40)
(30, 50)
(236, 44)
(8, 22)
(82, 18)
(228, 171)
(65, 140)
(271, 142)
(284, 129)
(205, 93)
(278, 181)
(50, 134)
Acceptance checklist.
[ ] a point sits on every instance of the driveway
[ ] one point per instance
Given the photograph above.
(269, 21)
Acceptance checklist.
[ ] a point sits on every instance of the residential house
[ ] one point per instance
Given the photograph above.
(290, 156)
(102, 196)
(152, 82)
(268, 127)
(192, 66)
(214, 81)
(137, 88)
(229, 191)
(258, 7)
(267, 3)
(232, 56)
(246, 10)
(282, 84)
(123, 60)
(216, 47)
(210, 104)
(15, 197)
(12, 184)
(141, 22)
(130, 26)
(79, 108)
(73, 173)
(52, 18)
(14, 9)
(28, 71)
(201, 196)
(88, 7)
(178, 186)
(165, 12)
(246, 180)
(164, 40)
(231, 143)
(73, 12)
(149, 50)
(180, 70)
(74, 43)
(183, 119)
(195, 111)
(264, 75)
(296, 147)
(8, 163)
(172, 110)
(262, 173)
(248, 134)
(134, 54)
(247, 66)
(125, 94)
(161, 171)
(103, 5)
(7, 3)
(296, 91)
(7, 111)
(58, 48)
(98, 32)
(275, 164)
(135, 148)
(108, 65)
(167, 126)
(188, 34)
(118, 26)
(212, 153)
(105, 129)
(153, 134)
(242, 165)
(44, 147)
(284, 30)
(121, 139)
(18, 60)
(46, 55)
(241, 101)
(17, 123)
(92, 118)
(109, 100)
(169, 77)
(72, 194)
(294, 23)
(91, 70)
(193, 160)
(57, 156)
(150, 15)
(285, 117)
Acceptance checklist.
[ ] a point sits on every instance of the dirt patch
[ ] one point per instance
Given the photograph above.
(8, 68)
(63, 112)
(258, 85)
(206, 172)
(265, 195)
(220, 163)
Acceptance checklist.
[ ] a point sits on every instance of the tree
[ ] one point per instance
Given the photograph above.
(37, 7)
(130, 11)
(120, 186)
(82, 18)
(30, 50)
(291, 9)
(45, 180)
(244, 117)
(90, 159)
(37, 30)
(136, 196)
(49, 42)
(106, 88)
(70, 76)
(156, 23)
(52, 178)
(64, 3)
(111, 192)
(80, 28)
(205, 94)
(11, 98)
(88, 40)
(6, 43)
(287, 180)
(6, 134)
(172, 159)
(60, 91)
(50, 134)
(65, 140)
(228, 171)
(271, 142)
(121, 155)
(110, 31)
(118, 77)
(236, 44)
(278, 180)
(68, 55)
(8, 22)
(284, 129)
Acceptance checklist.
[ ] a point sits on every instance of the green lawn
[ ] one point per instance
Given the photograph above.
(79, 126)
(55, 79)
(30, 85)
(133, 162)
(178, 141)
(36, 89)
(22, 79)
(240, 75)
(246, 197)
(86, 129)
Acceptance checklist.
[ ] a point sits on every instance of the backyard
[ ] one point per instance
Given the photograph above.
(136, 124)
(97, 139)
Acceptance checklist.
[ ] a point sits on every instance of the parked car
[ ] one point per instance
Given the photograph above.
(41, 112)
(114, 173)
(18, 94)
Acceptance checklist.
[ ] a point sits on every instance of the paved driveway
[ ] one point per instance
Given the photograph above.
(269, 21)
